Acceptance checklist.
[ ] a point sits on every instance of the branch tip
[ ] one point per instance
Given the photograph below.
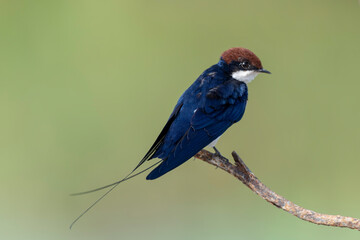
(243, 173)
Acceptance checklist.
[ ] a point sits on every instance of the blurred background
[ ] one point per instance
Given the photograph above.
(86, 87)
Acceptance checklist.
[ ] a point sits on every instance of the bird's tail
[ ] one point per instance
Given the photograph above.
(165, 167)
(112, 185)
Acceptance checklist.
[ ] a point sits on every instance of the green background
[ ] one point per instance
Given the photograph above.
(86, 86)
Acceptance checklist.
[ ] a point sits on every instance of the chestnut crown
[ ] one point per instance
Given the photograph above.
(242, 55)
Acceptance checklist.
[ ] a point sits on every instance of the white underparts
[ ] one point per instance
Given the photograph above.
(213, 143)
(244, 76)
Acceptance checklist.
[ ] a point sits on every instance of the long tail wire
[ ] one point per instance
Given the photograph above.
(112, 185)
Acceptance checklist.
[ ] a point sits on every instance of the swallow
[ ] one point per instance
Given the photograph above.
(213, 103)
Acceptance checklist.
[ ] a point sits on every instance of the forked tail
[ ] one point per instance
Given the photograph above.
(112, 185)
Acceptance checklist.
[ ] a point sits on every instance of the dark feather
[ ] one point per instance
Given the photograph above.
(200, 121)
(160, 139)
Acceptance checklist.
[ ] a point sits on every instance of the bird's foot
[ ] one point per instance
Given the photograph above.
(218, 154)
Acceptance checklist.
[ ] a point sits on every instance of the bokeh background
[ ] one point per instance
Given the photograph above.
(86, 86)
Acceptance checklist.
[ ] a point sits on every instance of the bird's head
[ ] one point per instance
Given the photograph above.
(242, 64)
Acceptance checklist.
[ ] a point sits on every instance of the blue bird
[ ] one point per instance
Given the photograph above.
(214, 102)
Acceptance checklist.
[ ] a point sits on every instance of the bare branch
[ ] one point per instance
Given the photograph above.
(243, 173)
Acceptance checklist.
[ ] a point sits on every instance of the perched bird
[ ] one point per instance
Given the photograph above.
(215, 101)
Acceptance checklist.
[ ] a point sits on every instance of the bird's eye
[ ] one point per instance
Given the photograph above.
(245, 64)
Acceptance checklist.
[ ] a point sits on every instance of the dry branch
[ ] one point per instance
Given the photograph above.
(243, 173)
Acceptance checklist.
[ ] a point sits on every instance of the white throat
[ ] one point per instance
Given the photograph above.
(244, 76)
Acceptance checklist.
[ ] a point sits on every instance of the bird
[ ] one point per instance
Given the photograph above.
(215, 101)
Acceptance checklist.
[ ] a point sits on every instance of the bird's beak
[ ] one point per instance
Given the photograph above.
(263, 71)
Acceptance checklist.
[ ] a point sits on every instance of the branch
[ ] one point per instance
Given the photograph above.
(243, 173)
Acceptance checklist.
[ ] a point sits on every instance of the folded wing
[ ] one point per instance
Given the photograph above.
(221, 107)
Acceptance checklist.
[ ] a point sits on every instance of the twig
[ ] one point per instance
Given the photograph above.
(243, 173)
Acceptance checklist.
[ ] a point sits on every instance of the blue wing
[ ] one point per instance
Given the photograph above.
(160, 139)
(216, 109)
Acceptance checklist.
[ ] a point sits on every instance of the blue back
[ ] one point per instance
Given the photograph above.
(205, 110)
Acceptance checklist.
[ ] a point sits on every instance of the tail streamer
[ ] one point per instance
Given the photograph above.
(112, 185)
